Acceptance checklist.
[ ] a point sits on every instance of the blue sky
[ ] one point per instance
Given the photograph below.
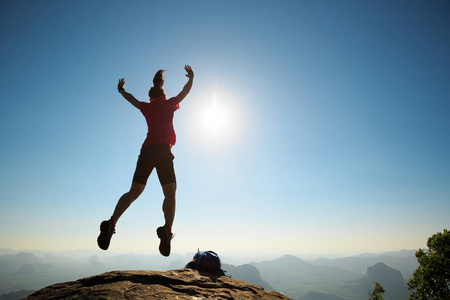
(335, 140)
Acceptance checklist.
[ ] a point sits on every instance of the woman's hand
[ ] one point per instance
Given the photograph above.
(120, 85)
(190, 73)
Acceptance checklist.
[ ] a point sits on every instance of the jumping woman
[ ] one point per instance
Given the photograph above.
(155, 154)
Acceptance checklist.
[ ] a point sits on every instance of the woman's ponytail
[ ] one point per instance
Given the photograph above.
(158, 82)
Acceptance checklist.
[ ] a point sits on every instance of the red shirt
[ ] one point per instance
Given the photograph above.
(159, 116)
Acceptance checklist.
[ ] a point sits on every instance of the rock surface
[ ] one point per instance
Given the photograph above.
(176, 284)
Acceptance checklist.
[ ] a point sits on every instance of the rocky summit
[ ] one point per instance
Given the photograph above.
(175, 284)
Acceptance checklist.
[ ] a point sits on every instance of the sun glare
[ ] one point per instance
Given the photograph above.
(215, 120)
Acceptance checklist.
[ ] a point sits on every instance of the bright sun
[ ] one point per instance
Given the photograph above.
(215, 120)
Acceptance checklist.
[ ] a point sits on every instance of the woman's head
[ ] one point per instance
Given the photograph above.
(155, 92)
(158, 82)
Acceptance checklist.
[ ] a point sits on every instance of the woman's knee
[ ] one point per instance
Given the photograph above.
(136, 189)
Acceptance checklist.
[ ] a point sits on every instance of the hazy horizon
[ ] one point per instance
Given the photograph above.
(231, 258)
(312, 127)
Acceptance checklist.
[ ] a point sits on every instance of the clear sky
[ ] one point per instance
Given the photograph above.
(331, 133)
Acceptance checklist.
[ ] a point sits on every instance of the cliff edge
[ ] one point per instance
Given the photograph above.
(175, 284)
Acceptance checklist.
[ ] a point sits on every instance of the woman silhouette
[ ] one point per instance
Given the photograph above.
(155, 154)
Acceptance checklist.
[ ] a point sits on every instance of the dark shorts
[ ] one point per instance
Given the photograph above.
(156, 156)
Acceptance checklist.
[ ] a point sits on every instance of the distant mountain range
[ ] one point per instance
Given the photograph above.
(247, 273)
(348, 278)
(391, 280)
(404, 261)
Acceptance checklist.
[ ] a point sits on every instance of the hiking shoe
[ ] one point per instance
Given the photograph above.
(166, 236)
(106, 232)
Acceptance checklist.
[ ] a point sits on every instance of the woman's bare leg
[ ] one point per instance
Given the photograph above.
(169, 203)
(126, 200)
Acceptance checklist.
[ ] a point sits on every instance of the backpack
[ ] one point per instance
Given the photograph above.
(207, 261)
